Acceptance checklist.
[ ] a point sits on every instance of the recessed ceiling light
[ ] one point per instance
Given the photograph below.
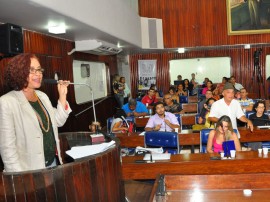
(181, 50)
(57, 29)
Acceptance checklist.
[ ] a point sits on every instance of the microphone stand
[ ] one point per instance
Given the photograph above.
(97, 133)
(92, 96)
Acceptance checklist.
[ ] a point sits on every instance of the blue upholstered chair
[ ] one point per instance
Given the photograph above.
(204, 133)
(167, 140)
(183, 99)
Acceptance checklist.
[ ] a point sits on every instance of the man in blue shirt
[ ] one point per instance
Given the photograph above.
(162, 121)
(135, 108)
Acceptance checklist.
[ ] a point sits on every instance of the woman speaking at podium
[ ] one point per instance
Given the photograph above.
(28, 122)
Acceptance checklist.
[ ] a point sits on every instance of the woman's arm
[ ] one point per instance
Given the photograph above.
(236, 142)
(117, 127)
(210, 142)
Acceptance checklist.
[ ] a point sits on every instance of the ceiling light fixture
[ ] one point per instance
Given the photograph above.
(181, 50)
(247, 46)
(57, 29)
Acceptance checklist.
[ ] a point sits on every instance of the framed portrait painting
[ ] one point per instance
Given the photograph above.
(248, 16)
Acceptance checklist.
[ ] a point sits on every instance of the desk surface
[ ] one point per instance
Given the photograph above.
(190, 164)
(202, 188)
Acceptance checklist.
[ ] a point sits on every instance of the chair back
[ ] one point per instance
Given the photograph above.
(193, 99)
(183, 99)
(204, 133)
(141, 122)
(187, 121)
(190, 107)
(167, 140)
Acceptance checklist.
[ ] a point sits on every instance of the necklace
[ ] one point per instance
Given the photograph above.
(39, 118)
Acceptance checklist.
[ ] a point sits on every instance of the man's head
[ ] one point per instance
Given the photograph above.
(151, 92)
(228, 92)
(232, 80)
(243, 94)
(132, 103)
(179, 78)
(193, 76)
(168, 99)
(208, 94)
(159, 108)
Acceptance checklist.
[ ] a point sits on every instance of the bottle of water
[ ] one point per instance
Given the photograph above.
(150, 111)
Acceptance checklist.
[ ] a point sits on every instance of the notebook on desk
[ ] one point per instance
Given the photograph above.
(164, 156)
(228, 146)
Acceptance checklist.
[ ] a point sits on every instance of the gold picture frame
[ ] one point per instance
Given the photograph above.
(248, 16)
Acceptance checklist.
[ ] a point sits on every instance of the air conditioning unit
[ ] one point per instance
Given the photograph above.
(96, 47)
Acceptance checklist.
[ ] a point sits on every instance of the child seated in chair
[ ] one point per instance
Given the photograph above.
(222, 132)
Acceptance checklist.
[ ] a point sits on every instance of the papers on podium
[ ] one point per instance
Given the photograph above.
(83, 151)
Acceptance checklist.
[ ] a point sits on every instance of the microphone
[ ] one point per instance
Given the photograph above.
(53, 81)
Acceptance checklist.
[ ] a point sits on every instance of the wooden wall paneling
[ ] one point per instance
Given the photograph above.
(39, 44)
(199, 23)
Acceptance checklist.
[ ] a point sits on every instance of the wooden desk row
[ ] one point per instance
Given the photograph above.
(229, 187)
(195, 164)
(134, 140)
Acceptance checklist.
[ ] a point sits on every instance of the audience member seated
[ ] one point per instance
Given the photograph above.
(259, 118)
(172, 92)
(162, 120)
(208, 95)
(135, 108)
(170, 106)
(221, 133)
(209, 86)
(220, 86)
(180, 90)
(158, 93)
(194, 82)
(188, 86)
(150, 98)
(205, 82)
(237, 86)
(203, 121)
(237, 94)
(94, 126)
(245, 102)
(216, 94)
(119, 123)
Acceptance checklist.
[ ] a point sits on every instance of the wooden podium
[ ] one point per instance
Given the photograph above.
(93, 178)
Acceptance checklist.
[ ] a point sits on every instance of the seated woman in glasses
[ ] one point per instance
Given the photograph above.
(259, 118)
(222, 132)
(28, 122)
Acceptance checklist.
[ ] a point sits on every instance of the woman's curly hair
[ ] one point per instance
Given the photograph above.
(17, 71)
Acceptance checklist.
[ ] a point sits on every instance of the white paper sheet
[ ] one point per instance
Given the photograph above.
(83, 151)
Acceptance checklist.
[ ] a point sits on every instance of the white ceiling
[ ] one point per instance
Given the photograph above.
(35, 15)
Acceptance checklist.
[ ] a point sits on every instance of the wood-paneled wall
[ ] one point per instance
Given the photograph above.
(52, 53)
(242, 67)
(190, 23)
(201, 23)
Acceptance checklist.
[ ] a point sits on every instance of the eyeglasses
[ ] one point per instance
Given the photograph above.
(167, 98)
(33, 70)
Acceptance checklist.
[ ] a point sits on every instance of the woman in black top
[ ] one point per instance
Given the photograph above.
(259, 118)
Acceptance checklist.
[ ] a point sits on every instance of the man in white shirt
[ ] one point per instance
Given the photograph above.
(230, 107)
(237, 86)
